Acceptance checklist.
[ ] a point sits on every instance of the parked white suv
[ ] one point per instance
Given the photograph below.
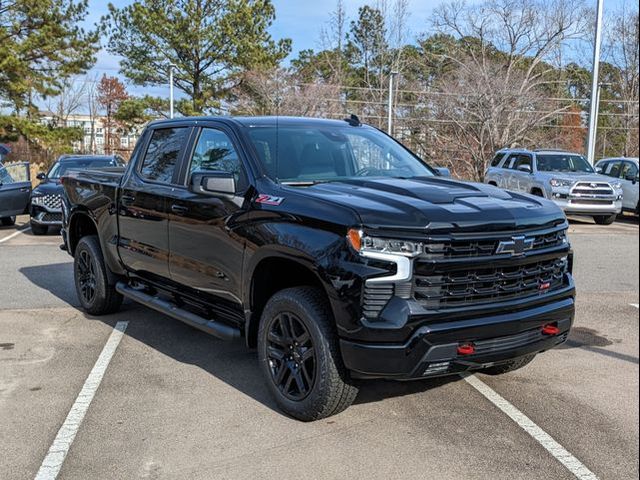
(626, 171)
(564, 177)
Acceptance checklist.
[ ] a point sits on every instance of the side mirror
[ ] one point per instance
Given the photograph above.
(443, 172)
(599, 170)
(631, 178)
(525, 168)
(212, 183)
(41, 176)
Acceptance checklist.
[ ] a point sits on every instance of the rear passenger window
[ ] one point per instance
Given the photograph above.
(496, 160)
(162, 154)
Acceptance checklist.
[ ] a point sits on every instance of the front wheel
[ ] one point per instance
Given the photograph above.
(605, 219)
(96, 295)
(299, 355)
(8, 221)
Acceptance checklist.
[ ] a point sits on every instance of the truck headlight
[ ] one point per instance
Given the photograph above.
(363, 243)
(561, 182)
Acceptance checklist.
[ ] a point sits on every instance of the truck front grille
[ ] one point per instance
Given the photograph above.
(474, 247)
(592, 189)
(52, 201)
(437, 288)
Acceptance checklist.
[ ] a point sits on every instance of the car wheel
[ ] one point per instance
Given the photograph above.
(8, 221)
(38, 229)
(605, 219)
(95, 293)
(509, 366)
(299, 355)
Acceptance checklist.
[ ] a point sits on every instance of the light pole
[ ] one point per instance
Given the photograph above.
(171, 67)
(392, 74)
(595, 72)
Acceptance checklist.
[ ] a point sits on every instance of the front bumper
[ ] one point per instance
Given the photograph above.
(432, 349)
(42, 215)
(581, 206)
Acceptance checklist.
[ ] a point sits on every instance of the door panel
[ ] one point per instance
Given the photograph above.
(206, 255)
(15, 189)
(143, 208)
(629, 187)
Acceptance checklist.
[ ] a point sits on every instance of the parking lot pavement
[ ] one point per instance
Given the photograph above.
(175, 403)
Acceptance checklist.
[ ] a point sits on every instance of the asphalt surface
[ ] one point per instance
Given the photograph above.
(176, 403)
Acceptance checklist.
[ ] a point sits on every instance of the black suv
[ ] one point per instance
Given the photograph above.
(46, 199)
(327, 245)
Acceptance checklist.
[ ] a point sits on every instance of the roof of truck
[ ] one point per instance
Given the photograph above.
(262, 121)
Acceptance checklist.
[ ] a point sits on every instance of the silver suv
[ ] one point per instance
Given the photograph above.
(626, 170)
(564, 177)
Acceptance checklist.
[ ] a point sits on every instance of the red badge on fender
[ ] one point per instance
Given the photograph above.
(269, 199)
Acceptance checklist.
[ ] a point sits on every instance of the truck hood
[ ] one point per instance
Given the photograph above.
(433, 203)
(49, 187)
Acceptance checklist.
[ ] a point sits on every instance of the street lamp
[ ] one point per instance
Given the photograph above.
(595, 72)
(392, 74)
(171, 67)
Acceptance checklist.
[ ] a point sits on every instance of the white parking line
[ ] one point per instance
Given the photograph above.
(574, 465)
(52, 463)
(14, 234)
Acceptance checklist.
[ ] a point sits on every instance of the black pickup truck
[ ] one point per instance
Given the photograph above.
(328, 246)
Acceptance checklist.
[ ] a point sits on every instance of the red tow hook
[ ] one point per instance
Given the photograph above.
(466, 349)
(550, 329)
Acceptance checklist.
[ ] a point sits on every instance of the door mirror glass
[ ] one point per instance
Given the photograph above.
(443, 172)
(212, 183)
(599, 170)
(524, 168)
(41, 176)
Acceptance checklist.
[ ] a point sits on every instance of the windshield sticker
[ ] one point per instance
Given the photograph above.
(269, 199)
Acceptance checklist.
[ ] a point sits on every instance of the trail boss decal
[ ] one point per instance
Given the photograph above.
(269, 199)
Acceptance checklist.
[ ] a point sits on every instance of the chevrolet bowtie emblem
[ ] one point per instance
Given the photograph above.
(516, 246)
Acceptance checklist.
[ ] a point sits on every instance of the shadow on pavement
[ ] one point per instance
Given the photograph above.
(231, 362)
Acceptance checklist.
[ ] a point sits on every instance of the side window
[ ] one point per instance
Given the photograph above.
(629, 170)
(613, 169)
(162, 153)
(496, 160)
(215, 152)
(508, 163)
(522, 160)
(603, 166)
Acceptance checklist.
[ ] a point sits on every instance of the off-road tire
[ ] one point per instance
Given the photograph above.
(605, 219)
(105, 298)
(333, 390)
(509, 366)
(7, 221)
(38, 229)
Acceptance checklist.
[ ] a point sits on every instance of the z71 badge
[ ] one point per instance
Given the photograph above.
(269, 199)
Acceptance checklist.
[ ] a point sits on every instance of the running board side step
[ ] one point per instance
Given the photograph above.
(217, 329)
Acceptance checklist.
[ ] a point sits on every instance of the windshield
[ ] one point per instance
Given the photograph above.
(563, 163)
(59, 169)
(310, 154)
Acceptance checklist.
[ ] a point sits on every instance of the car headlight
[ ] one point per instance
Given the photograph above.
(561, 182)
(37, 200)
(363, 243)
(616, 185)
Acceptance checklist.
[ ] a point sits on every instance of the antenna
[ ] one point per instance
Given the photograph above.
(353, 120)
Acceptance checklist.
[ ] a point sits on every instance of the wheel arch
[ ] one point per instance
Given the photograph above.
(270, 272)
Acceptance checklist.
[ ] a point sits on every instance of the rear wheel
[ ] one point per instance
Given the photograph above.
(299, 355)
(96, 295)
(38, 229)
(605, 219)
(8, 221)
(509, 366)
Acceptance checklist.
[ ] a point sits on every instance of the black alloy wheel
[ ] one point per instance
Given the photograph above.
(86, 274)
(291, 356)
